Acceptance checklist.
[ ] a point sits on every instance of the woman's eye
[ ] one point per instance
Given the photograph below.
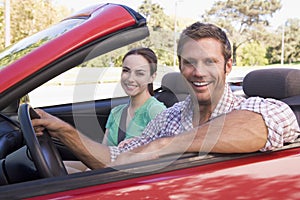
(140, 74)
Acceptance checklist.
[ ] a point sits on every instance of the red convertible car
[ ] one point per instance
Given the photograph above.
(32, 168)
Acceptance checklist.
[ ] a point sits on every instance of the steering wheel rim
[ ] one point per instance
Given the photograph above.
(44, 154)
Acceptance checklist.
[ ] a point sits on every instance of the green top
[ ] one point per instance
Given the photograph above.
(142, 116)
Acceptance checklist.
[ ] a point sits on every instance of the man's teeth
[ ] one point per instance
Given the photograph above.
(200, 83)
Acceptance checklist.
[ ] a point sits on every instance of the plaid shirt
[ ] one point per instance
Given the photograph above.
(279, 118)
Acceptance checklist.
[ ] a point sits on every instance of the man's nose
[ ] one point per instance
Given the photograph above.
(199, 70)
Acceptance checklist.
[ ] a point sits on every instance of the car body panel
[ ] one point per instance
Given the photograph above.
(214, 182)
(248, 177)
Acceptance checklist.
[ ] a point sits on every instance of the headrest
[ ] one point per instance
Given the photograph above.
(174, 82)
(277, 83)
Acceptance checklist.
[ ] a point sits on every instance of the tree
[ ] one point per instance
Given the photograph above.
(2, 39)
(31, 16)
(160, 40)
(291, 43)
(161, 29)
(244, 20)
(253, 54)
(274, 48)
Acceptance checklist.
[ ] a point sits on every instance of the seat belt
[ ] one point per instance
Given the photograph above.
(122, 125)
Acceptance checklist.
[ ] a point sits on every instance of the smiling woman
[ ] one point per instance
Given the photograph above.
(129, 120)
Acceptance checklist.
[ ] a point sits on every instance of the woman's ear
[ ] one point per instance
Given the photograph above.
(153, 76)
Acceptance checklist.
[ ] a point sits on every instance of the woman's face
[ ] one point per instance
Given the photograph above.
(135, 75)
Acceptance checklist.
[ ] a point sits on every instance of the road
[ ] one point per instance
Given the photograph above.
(62, 89)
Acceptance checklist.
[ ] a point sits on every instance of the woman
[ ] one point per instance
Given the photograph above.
(139, 68)
(125, 121)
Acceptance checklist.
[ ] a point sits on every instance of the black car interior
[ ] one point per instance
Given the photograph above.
(278, 83)
(173, 88)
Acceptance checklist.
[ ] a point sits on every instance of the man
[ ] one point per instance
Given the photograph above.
(211, 119)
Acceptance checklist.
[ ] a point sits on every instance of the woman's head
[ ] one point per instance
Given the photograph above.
(139, 70)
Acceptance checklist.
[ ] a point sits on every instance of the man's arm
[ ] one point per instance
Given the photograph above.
(91, 153)
(240, 131)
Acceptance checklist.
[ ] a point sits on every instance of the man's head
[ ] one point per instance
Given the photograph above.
(199, 31)
(204, 54)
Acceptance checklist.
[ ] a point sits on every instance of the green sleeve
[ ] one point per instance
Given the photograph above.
(155, 108)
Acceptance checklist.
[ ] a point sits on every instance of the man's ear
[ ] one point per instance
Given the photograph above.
(228, 66)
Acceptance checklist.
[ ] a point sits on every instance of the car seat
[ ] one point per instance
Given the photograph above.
(278, 83)
(173, 89)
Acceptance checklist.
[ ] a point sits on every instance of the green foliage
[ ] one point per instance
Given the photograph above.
(244, 20)
(29, 17)
(161, 28)
(291, 43)
(2, 39)
(253, 54)
(161, 39)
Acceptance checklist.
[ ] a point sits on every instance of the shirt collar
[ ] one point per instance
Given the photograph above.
(225, 105)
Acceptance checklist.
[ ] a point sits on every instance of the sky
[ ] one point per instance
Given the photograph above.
(188, 8)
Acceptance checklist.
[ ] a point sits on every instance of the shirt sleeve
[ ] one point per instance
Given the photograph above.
(279, 118)
(152, 131)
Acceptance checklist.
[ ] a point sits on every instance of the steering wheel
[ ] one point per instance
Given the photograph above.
(44, 154)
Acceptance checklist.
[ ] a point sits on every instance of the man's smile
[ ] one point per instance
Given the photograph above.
(200, 83)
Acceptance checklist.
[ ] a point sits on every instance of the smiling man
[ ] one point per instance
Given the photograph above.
(211, 119)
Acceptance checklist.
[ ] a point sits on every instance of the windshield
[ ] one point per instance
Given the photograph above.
(28, 44)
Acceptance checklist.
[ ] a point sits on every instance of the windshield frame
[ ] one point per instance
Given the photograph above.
(27, 45)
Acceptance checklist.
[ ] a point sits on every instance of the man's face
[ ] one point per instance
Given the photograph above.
(203, 65)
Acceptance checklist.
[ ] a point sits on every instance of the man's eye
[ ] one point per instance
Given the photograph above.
(210, 61)
(188, 63)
